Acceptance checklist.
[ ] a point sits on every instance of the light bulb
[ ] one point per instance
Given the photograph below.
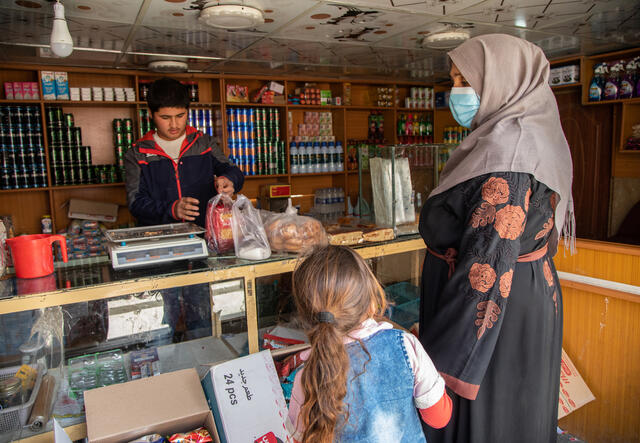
(61, 42)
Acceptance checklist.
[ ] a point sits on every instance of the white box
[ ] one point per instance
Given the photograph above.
(246, 399)
(48, 85)
(62, 86)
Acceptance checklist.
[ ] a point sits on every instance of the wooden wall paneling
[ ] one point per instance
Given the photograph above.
(96, 123)
(352, 187)
(251, 187)
(357, 124)
(441, 119)
(589, 132)
(303, 189)
(626, 164)
(602, 336)
(26, 208)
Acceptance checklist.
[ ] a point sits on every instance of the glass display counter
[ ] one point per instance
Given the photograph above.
(186, 314)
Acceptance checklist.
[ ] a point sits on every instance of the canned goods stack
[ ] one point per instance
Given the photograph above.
(254, 140)
(69, 160)
(455, 134)
(420, 98)
(122, 141)
(145, 124)
(22, 156)
(204, 120)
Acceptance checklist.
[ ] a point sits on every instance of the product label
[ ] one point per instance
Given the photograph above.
(626, 89)
(610, 91)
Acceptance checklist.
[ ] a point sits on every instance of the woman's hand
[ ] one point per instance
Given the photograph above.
(224, 186)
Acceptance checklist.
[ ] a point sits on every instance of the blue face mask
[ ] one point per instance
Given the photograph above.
(464, 104)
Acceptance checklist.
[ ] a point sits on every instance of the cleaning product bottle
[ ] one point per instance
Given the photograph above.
(597, 83)
(627, 85)
(612, 85)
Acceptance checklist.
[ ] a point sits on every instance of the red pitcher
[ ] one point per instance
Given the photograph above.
(32, 254)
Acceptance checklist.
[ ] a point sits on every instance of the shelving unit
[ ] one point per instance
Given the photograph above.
(95, 117)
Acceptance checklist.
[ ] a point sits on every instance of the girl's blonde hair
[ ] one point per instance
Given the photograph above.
(334, 291)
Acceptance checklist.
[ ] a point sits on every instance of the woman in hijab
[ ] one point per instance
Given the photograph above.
(491, 306)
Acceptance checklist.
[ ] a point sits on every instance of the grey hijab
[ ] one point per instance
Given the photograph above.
(517, 127)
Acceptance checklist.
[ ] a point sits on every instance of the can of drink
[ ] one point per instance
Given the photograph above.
(81, 174)
(117, 125)
(58, 115)
(17, 137)
(127, 124)
(86, 155)
(128, 138)
(118, 138)
(113, 174)
(68, 120)
(88, 172)
(77, 136)
(5, 181)
(200, 119)
(67, 136)
(51, 114)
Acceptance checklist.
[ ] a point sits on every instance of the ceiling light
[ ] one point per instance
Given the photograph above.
(167, 66)
(226, 15)
(446, 39)
(61, 41)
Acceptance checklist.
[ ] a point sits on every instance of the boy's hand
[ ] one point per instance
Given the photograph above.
(224, 186)
(187, 209)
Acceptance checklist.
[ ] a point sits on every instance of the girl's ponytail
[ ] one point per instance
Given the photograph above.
(334, 292)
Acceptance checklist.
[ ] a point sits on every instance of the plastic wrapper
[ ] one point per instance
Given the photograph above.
(200, 435)
(151, 438)
(218, 231)
(289, 232)
(249, 236)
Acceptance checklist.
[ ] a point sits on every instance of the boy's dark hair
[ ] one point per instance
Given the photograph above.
(167, 93)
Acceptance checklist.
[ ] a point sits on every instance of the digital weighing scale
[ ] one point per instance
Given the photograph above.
(148, 245)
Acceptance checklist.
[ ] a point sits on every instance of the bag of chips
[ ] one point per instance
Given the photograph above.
(218, 232)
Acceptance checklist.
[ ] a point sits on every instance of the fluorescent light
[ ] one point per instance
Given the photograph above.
(61, 41)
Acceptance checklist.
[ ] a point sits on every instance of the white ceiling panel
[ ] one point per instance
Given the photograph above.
(432, 7)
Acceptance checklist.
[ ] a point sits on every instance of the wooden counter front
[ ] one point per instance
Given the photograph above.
(602, 338)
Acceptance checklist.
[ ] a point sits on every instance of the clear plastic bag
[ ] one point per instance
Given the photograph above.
(218, 232)
(290, 232)
(249, 237)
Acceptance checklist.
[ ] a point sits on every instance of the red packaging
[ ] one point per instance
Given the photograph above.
(8, 91)
(200, 435)
(219, 234)
(17, 91)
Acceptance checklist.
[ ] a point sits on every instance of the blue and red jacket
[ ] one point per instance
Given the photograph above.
(155, 182)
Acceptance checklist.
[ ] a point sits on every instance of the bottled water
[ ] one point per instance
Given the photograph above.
(324, 157)
(340, 154)
(316, 158)
(295, 158)
(304, 158)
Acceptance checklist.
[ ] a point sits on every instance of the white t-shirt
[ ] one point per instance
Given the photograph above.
(171, 147)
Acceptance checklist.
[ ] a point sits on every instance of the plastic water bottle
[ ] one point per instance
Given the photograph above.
(324, 157)
(316, 157)
(332, 164)
(304, 158)
(295, 158)
(340, 153)
(340, 208)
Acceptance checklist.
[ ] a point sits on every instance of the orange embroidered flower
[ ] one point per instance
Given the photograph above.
(548, 276)
(545, 229)
(510, 222)
(482, 277)
(505, 283)
(483, 215)
(555, 301)
(495, 191)
(526, 199)
(487, 314)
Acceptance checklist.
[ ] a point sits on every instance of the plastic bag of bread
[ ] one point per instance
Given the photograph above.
(218, 232)
(249, 238)
(289, 232)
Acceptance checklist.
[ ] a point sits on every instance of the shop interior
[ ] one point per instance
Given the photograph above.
(368, 80)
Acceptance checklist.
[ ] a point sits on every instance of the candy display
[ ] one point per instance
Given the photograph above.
(200, 435)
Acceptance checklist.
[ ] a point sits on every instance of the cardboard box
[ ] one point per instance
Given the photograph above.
(48, 85)
(62, 86)
(91, 210)
(164, 404)
(18, 93)
(276, 87)
(8, 90)
(574, 392)
(246, 399)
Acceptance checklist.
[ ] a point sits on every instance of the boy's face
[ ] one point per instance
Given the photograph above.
(171, 123)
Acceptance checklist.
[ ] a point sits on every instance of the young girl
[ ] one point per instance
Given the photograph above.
(362, 380)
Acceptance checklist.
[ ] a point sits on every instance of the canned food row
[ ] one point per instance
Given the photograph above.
(86, 174)
(259, 133)
(16, 137)
(70, 155)
(65, 136)
(20, 115)
(15, 157)
(122, 125)
(249, 115)
(20, 178)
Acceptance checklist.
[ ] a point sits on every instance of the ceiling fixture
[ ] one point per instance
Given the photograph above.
(61, 41)
(446, 39)
(167, 66)
(229, 14)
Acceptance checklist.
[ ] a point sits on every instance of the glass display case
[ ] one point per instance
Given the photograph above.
(395, 180)
(88, 325)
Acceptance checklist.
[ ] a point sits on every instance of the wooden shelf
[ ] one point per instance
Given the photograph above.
(91, 185)
(315, 174)
(567, 86)
(414, 109)
(8, 191)
(19, 102)
(629, 151)
(87, 103)
(261, 105)
(257, 177)
(367, 108)
(314, 107)
(611, 102)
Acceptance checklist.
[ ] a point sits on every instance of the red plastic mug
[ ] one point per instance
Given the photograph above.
(32, 255)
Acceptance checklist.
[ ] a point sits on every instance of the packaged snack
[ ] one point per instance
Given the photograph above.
(293, 233)
(219, 234)
(249, 237)
(151, 438)
(200, 435)
(144, 363)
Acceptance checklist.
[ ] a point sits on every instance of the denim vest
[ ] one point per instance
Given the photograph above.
(380, 400)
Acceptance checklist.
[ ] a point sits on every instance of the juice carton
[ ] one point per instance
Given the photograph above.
(8, 90)
(48, 85)
(18, 94)
(62, 86)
